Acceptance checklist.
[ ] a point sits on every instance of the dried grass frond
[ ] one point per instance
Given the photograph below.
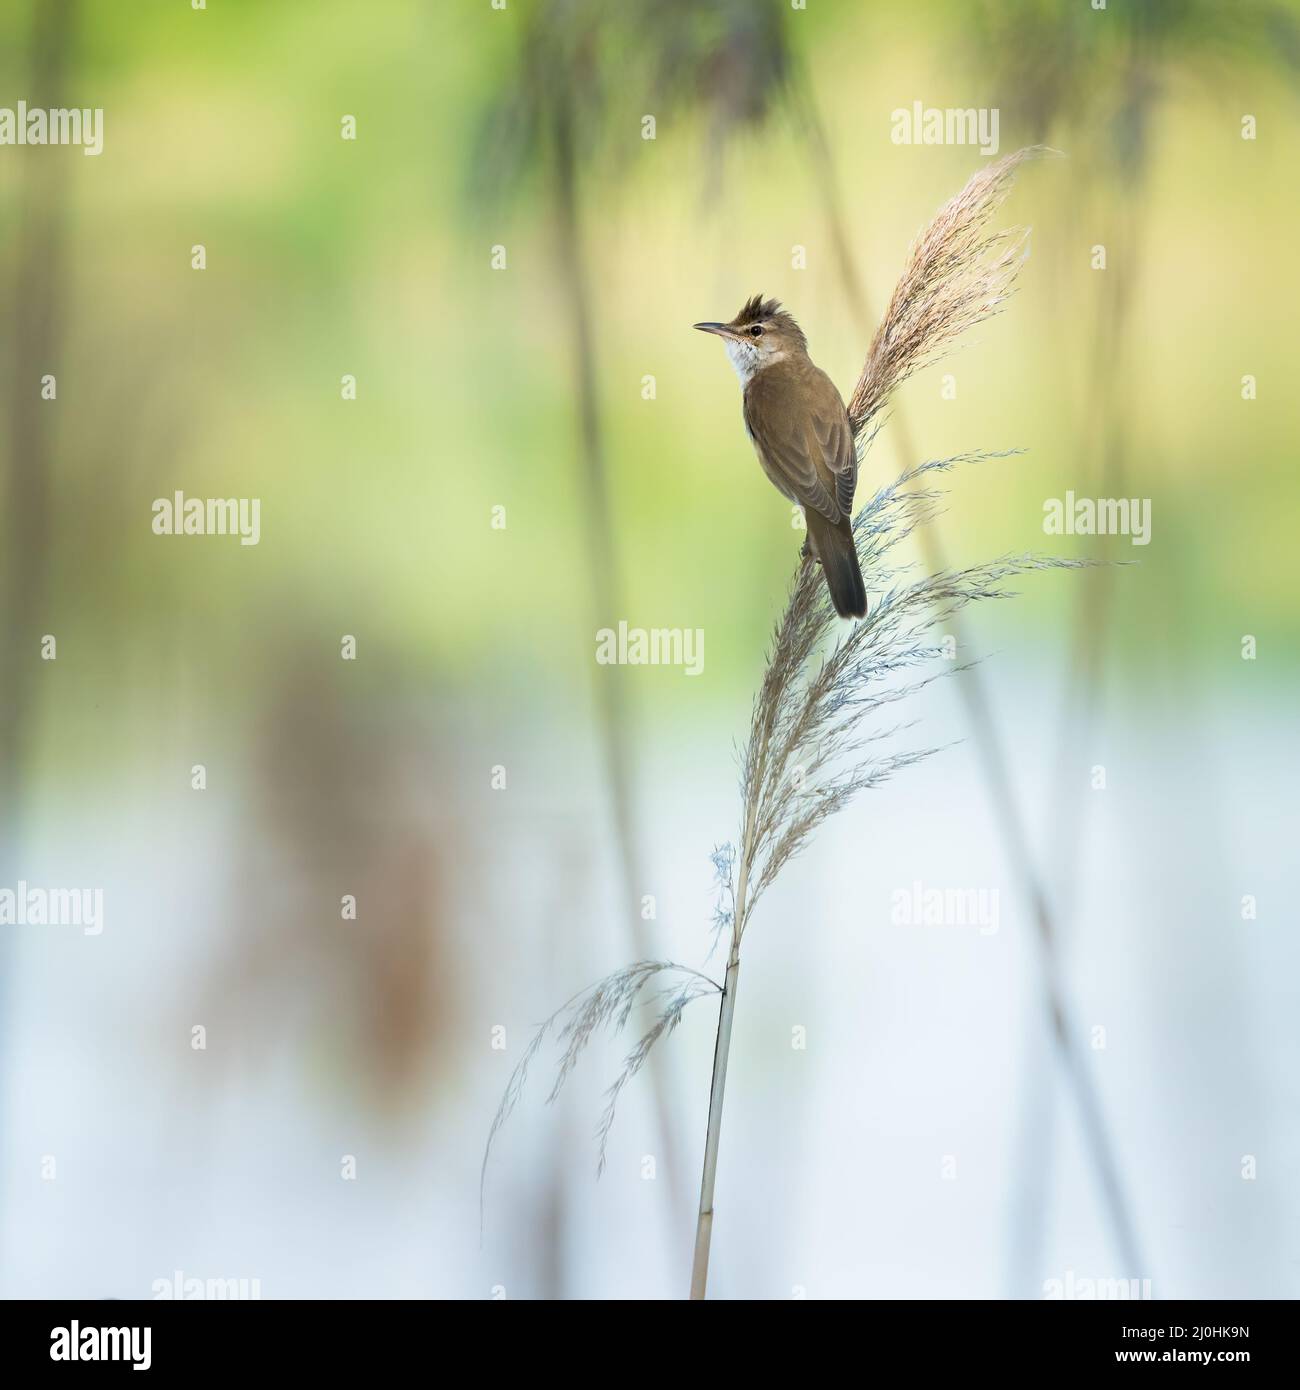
(605, 1005)
(723, 860)
(810, 749)
(669, 1017)
(958, 274)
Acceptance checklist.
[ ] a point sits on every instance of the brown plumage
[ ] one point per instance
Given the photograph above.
(800, 429)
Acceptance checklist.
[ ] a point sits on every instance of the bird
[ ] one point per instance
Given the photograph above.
(798, 424)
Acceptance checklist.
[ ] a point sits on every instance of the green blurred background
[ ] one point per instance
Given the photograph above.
(327, 256)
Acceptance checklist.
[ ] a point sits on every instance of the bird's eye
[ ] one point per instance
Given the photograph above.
(756, 331)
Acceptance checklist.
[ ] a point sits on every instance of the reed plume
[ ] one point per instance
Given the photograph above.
(958, 273)
(818, 735)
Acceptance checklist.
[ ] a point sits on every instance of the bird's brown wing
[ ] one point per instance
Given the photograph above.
(801, 426)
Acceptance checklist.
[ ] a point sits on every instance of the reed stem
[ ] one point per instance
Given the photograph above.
(721, 1052)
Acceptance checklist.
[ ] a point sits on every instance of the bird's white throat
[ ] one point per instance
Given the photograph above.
(748, 359)
(745, 359)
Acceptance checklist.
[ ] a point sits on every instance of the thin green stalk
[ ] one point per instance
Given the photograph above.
(721, 1053)
(722, 1046)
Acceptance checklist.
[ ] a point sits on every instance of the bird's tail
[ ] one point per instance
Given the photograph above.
(834, 547)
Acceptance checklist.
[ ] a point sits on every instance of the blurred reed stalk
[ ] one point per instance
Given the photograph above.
(1076, 727)
(34, 347)
(1103, 85)
(1103, 432)
(811, 746)
(1101, 459)
(606, 589)
(1104, 444)
(987, 738)
(1067, 86)
(556, 57)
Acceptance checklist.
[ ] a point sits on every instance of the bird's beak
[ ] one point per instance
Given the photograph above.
(721, 329)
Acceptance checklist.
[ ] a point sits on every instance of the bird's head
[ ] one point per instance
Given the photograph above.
(762, 333)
